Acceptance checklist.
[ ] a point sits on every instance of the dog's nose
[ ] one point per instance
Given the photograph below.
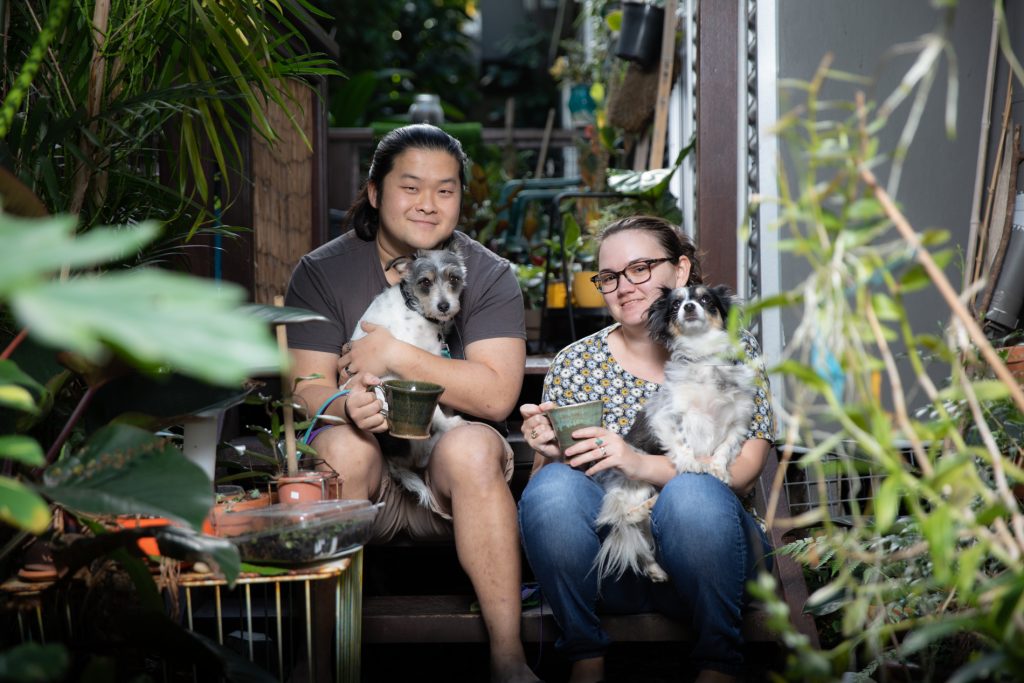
(444, 306)
(689, 307)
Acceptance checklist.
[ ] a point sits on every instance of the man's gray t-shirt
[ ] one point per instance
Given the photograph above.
(340, 279)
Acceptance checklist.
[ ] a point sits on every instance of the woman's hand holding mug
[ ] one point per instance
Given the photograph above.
(537, 429)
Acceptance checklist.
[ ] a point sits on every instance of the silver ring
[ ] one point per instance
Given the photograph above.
(604, 453)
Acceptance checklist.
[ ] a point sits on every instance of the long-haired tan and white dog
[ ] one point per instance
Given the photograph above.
(420, 310)
(699, 418)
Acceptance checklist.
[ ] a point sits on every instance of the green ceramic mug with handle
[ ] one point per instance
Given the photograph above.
(567, 419)
(408, 406)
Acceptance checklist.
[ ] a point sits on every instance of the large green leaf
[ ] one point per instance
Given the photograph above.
(154, 318)
(37, 247)
(157, 401)
(650, 183)
(22, 508)
(13, 396)
(14, 388)
(126, 470)
(21, 448)
(185, 544)
(34, 663)
(11, 373)
(281, 314)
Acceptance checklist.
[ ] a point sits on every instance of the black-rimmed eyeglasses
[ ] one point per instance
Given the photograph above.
(637, 272)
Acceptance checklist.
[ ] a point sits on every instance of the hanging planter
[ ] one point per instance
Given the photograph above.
(640, 35)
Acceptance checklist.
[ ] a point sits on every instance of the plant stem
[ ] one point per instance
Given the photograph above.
(286, 399)
(65, 433)
(945, 289)
(31, 66)
(15, 343)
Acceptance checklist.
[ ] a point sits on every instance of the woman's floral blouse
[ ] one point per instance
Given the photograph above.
(587, 371)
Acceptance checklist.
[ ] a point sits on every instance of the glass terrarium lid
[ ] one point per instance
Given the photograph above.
(307, 514)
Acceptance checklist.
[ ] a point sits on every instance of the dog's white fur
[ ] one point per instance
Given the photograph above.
(420, 310)
(699, 418)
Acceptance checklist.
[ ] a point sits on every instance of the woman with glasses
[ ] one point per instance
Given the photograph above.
(706, 539)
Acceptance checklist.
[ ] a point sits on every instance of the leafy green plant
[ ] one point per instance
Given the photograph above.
(924, 576)
(122, 111)
(409, 46)
(151, 320)
(531, 283)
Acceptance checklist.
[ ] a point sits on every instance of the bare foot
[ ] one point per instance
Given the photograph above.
(587, 670)
(512, 672)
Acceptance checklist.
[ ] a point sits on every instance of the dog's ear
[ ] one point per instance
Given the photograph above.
(726, 299)
(659, 316)
(454, 248)
(402, 264)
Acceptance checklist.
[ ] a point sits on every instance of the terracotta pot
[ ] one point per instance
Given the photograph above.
(308, 486)
(219, 522)
(1015, 361)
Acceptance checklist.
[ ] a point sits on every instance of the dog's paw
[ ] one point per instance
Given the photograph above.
(655, 573)
(719, 469)
(640, 512)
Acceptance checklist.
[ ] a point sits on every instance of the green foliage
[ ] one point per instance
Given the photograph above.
(159, 322)
(34, 663)
(129, 122)
(155, 320)
(396, 48)
(926, 571)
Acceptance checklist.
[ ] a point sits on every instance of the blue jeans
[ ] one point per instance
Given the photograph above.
(704, 539)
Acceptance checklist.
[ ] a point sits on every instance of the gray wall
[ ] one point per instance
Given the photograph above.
(939, 174)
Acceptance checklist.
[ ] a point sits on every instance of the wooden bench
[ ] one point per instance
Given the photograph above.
(444, 617)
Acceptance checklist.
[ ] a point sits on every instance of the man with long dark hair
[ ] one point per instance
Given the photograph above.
(411, 201)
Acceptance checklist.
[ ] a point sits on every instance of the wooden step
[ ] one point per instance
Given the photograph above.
(448, 619)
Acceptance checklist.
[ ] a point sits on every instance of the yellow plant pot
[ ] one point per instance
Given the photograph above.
(584, 293)
(557, 295)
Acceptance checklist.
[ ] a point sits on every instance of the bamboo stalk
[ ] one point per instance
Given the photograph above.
(286, 399)
(542, 156)
(934, 272)
(668, 58)
(94, 99)
(979, 171)
(945, 289)
(996, 266)
(980, 244)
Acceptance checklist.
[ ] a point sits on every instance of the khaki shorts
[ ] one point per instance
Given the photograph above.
(402, 512)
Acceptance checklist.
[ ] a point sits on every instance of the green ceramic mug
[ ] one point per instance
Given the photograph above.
(408, 406)
(567, 419)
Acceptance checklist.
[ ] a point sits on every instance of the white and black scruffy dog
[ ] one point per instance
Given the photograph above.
(699, 418)
(420, 310)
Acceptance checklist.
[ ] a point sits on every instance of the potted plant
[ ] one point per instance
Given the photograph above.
(640, 32)
(531, 284)
(233, 498)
